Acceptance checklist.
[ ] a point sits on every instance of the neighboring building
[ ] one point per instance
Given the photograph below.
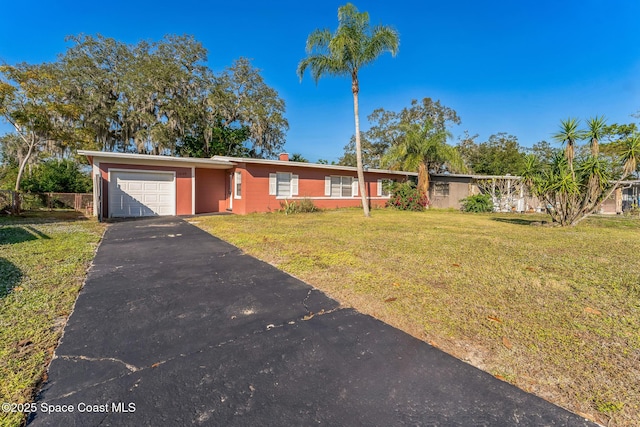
(625, 198)
(508, 193)
(446, 190)
(630, 195)
(613, 205)
(132, 185)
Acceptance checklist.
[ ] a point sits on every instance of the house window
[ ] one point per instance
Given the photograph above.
(341, 186)
(237, 188)
(283, 184)
(384, 187)
(441, 189)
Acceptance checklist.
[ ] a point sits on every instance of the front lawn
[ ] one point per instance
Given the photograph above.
(555, 311)
(43, 261)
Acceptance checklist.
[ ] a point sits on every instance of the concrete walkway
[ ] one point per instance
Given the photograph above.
(175, 327)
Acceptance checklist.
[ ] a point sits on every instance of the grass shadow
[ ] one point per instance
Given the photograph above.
(520, 221)
(42, 217)
(37, 232)
(19, 234)
(10, 276)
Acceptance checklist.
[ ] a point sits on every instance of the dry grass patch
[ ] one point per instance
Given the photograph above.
(43, 262)
(554, 311)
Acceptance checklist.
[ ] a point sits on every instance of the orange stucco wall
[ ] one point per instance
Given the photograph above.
(211, 190)
(183, 185)
(311, 184)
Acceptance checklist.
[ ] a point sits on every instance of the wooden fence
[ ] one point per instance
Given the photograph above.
(12, 202)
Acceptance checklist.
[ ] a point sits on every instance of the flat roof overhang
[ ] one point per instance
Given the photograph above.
(290, 163)
(154, 160)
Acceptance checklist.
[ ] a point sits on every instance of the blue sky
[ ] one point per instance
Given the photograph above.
(514, 66)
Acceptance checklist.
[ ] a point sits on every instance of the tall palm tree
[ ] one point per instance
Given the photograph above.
(343, 53)
(423, 148)
(568, 135)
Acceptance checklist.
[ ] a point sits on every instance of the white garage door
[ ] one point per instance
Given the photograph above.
(144, 193)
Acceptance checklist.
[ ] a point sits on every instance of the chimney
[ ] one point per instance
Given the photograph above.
(284, 157)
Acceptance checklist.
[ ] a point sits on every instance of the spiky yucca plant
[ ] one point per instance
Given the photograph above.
(574, 188)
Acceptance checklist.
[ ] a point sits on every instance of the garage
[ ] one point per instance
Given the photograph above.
(141, 193)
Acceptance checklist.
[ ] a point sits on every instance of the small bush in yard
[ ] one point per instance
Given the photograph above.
(407, 197)
(477, 203)
(300, 206)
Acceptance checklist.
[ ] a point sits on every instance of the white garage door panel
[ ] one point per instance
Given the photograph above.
(150, 199)
(133, 185)
(141, 193)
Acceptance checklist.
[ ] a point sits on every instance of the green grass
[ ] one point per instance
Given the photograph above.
(43, 262)
(555, 311)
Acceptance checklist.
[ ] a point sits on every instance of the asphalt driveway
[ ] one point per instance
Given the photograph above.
(175, 327)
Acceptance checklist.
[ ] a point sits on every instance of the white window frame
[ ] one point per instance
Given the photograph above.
(441, 189)
(328, 186)
(275, 180)
(237, 185)
(382, 192)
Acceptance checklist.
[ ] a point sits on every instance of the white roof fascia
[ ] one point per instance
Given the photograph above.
(149, 158)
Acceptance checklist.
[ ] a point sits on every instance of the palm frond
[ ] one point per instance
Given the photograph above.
(594, 132)
(559, 177)
(568, 134)
(394, 157)
(318, 41)
(320, 65)
(349, 16)
(594, 170)
(423, 144)
(383, 39)
(568, 131)
(455, 162)
(351, 46)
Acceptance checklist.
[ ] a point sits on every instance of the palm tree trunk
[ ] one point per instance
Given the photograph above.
(595, 148)
(570, 152)
(361, 185)
(423, 178)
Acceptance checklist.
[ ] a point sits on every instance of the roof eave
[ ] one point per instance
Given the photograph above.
(309, 165)
(155, 158)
